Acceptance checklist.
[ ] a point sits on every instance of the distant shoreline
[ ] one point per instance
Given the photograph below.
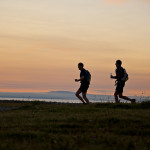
(57, 102)
(41, 102)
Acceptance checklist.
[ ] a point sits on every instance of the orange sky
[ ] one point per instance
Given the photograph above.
(41, 43)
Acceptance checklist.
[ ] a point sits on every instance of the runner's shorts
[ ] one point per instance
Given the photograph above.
(120, 86)
(84, 87)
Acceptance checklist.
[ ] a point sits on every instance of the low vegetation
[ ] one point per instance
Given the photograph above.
(39, 126)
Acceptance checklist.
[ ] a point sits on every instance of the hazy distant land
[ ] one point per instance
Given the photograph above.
(60, 96)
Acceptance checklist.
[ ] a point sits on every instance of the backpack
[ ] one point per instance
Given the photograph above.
(125, 76)
(88, 76)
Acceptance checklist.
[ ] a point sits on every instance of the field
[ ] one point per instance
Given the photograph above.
(39, 126)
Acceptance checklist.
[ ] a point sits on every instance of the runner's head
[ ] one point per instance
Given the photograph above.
(80, 66)
(118, 63)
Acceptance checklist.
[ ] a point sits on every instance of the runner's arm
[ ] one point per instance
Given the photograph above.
(114, 77)
(79, 79)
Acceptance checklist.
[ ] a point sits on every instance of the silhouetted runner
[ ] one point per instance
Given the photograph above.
(121, 77)
(85, 78)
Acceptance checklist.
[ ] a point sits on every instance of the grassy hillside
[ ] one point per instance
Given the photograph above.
(37, 126)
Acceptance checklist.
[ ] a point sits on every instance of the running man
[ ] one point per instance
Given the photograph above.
(85, 82)
(120, 77)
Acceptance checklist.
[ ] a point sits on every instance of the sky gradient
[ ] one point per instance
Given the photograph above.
(41, 43)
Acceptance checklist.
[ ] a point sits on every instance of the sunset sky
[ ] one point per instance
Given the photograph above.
(42, 41)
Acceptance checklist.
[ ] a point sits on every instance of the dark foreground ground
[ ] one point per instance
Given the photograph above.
(37, 126)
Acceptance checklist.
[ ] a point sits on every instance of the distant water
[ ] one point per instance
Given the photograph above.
(62, 97)
(106, 99)
(51, 100)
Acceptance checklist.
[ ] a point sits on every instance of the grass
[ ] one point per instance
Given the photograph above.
(75, 126)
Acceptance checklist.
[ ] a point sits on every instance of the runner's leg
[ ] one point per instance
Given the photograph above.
(78, 95)
(126, 98)
(85, 98)
(116, 97)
